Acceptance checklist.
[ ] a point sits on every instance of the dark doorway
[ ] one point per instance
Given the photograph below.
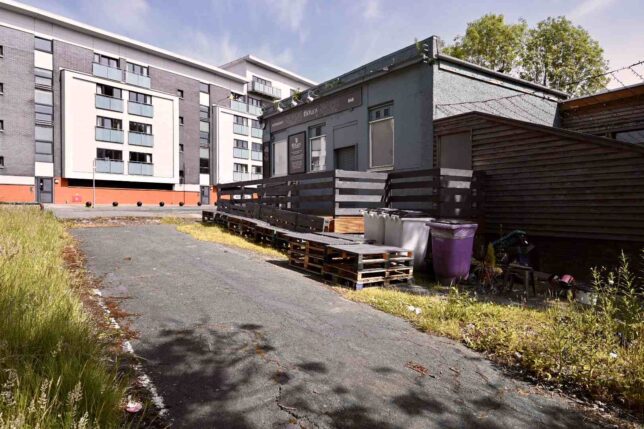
(345, 158)
(205, 195)
(45, 187)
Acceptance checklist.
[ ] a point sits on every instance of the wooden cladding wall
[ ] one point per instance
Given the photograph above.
(605, 118)
(552, 182)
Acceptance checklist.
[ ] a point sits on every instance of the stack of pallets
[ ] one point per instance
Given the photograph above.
(307, 251)
(362, 265)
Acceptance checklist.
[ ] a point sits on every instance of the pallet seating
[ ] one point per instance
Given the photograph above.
(306, 251)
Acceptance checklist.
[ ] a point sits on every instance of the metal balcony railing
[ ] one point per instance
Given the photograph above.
(109, 135)
(240, 129)
(140, 168)
(140, 139)
(266, 90)
(137, 79)
(240, 106)
(256, 132)
(240, 153)
(240, 176)
(256, 156)
(111, 166)
(107, 72)
(140, 109)
(109, 103)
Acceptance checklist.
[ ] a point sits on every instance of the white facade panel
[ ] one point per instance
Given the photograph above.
(204, 99)
(44, 169)
(43, 60)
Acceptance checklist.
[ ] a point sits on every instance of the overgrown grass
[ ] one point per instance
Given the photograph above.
(217, 234)
(595, 350)
(54, 371)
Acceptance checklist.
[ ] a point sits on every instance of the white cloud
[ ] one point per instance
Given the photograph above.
(372, 10)
(290, 14)
(588, 7)
(206, 47)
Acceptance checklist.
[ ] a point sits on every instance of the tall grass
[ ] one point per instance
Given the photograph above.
(54, 370)
(597, 350)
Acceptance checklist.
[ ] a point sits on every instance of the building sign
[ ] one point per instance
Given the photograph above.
(318, 109)
(297, 153)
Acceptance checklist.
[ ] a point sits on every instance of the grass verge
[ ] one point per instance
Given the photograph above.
(55, 370)
(219, 235)
(596, 351)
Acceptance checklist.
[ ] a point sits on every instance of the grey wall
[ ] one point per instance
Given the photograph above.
(71, 57)
(17, 142)
(410, 90)
(189, 109)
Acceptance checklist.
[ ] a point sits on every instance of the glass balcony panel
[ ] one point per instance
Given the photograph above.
(256, 176)
(240, 129)
(109, 103)
(256, 156)
(240, 177)
(256, 132)
(109, 135)
(140, 139)
(140, 168)
(266, 90)
(109, 166)
(140, 109)
(254, 110)
(106, 72)
(240, 153)
(137, 79)
(239, 106)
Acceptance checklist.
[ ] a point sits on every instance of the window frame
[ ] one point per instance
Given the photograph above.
(50, 78)
(102, 119)
(120, 152)
(146, 127)
(180, 93)
(146, 98)
(132, 68)
(49, 42)
(144, 154)
(109, 59)
(201, 87)
(313, 136)
(387, 115)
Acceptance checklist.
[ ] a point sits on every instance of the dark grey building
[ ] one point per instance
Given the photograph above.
(380, 116)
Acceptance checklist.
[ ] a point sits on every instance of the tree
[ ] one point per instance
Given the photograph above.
(491, 43)
(563, 56)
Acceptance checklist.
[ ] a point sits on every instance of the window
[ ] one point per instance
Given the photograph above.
(138, 127)
(240, 168)
(1, 51)
(240, 120)
(279, 158)
(262, 81)
(115, 124)
(44, 113)
(204, 133)
(145, 158)
(44, 97)
(255, 101)
(180, 93)
(317, 145)
(137, 69)
(108, 91)
(381, 136)
(257, 147)
(238, 97)
(44, 45)
(106, 61)
(204, 87)
(1, 161)
(204, 165)
(255, 124)
(1, 88)
(180, 120)
(204, 152)
(241, 144)
(44, 133)
(634, 136)
(180, 147)
(44, 143)
(137, 97)
(115, 155)
(1, 124)
(43, 77)
(256, 169)
(204, 113)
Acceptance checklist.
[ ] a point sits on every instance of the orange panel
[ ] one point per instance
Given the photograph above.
(17, 194)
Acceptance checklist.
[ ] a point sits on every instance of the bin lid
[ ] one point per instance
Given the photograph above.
(452, 224)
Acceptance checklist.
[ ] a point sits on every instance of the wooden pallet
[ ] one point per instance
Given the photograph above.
(391, 282)
(308, 251)
(207, 216)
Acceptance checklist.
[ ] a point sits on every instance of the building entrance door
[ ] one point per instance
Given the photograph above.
(345, 158)
(205, 195)
(45, 186)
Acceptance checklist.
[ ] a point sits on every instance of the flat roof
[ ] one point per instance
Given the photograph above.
(635, 90)
(97, 32)
(270, 66)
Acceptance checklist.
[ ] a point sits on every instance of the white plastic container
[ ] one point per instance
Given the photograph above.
(374, 226)
(411, 233)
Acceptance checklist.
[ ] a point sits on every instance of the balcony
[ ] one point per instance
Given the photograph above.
(240, 153)
(239, 176)
(254, 110)
(140, 168)
(240, 106)
(109, 103)
(111, 166)
(137, 79)
(256, 132)
(140, 109)
(240, 129)
(109, 135)
(266, 90)
(107, 72)
(140, 139)
(256, 176)
(256, 156)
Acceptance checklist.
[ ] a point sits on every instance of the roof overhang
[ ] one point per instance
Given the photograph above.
(636, 90)
(272, 67)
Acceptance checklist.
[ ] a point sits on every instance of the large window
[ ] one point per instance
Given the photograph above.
(106, 61)
(115, 155)
(240, 120)
(633, 136)
(204, 87)
(43, 77)
(204, 113)
(317, 145)
(241, 144)
(44, 143)
(262, 81)
(137, 69)
(280, 158)
(137, 97)
(381, 137)
(240, 168)
(139, 127)
(44, 45)
(44, 97)
(204, 165)
(141, 157)
(44, 106)
(114, 124)
(109, 91)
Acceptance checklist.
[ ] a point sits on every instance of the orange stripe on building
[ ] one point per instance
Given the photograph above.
(17, 194)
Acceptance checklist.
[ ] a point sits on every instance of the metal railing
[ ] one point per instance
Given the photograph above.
(109, 135)
(109, 103)
(140, 109)
(256, 132)
(240, 129)
(266, 89)
(240, 153)
(137, 79)
(111, 166)
(107, 72)
(140, 139)
(140, 168)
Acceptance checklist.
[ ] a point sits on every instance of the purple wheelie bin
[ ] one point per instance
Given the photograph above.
(452, 244)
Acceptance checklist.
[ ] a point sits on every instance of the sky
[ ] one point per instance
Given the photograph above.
(322, 39)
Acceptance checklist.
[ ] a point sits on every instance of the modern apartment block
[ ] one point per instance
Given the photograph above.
(82, 109)
(238, 117)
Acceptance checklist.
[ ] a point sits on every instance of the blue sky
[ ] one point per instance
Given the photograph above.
(321, 39)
